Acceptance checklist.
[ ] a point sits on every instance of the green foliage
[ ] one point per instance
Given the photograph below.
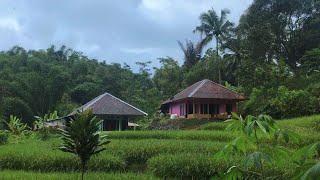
(15, 126)
(81, 138)
(179, 154)
(282, 103)
(40, 122)
(254, 157)
(15, 105)
(168, 77)
(192, 52)
(4, 136)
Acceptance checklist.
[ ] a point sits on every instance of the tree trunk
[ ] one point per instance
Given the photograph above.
(217, 46)
(217, 49)
(83, 169)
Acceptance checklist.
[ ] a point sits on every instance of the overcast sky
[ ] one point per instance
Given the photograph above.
(114, 31)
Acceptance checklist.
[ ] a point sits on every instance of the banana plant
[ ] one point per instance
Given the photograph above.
(14, 125)
(40, 122)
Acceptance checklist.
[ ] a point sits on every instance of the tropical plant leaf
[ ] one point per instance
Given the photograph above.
(312, 173)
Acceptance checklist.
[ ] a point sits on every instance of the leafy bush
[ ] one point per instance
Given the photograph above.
(281, 103)
(3, 137)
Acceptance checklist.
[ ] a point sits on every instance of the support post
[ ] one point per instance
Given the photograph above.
(120, 124)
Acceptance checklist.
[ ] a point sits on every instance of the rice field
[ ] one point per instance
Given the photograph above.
(143, 154)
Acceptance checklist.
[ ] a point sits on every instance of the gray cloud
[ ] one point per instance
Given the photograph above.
(115, 31)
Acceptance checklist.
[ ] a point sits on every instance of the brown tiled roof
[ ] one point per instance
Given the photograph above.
(206, 89)
(107, 104)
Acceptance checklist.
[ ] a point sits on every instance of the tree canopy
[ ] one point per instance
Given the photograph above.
(271, 53)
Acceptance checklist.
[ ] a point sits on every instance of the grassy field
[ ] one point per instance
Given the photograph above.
(144, 154)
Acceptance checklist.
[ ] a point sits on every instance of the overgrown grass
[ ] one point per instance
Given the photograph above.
(193, 166)
(214, 126)
(8, 175)
(188, 135)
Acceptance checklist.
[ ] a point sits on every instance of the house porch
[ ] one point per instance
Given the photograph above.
(203, 108)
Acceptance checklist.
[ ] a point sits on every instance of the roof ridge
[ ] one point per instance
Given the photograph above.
(94, 101)
(198, 87)
(225, 87)
(126, 103)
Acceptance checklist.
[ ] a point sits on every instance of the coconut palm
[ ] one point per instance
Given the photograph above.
(234, 53)
(213, 26)
(192, 52)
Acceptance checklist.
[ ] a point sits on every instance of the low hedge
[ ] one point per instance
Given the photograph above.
(64, 163)
(199, 166)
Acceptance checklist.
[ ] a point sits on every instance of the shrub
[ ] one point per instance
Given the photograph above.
(281, 103)
(3, 137)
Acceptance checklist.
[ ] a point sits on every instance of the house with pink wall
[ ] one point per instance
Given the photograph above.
(203, 99)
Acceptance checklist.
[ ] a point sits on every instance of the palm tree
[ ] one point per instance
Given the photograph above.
(234, 53)
(214, 26)
(192, 52)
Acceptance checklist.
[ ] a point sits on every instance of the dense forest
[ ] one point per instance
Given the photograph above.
(272, 55)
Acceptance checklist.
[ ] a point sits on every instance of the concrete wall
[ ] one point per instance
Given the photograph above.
(175, 109)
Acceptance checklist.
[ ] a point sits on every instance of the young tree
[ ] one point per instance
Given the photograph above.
(81, 138)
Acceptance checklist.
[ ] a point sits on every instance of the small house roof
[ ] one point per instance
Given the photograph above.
(206, 89)
(107, 104)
